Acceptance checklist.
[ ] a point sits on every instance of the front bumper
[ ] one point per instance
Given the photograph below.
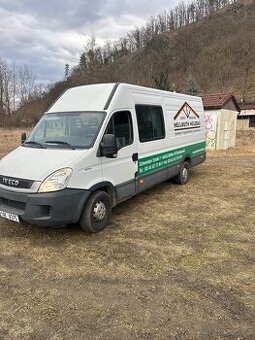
(45, 209)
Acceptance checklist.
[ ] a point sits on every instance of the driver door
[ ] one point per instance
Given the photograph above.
(121, 171)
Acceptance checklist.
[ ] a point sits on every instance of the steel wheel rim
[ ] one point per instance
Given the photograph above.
(99, 211)
(185, 174)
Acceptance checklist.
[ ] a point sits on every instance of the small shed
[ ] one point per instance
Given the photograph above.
(246, 118)
(221, 110)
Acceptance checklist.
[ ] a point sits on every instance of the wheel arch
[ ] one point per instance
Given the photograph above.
(108, 188)
(188, 159)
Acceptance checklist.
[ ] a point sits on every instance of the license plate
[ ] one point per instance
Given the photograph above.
(8, 216)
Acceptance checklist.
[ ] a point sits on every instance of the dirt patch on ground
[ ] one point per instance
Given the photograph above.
(175, 263)
(10, 139)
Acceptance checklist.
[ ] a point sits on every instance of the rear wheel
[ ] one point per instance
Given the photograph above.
(183, 176)
(97, 212)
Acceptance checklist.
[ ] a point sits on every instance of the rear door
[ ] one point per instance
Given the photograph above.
(121, 171)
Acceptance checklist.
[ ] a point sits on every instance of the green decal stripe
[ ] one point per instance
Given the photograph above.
(168, 158)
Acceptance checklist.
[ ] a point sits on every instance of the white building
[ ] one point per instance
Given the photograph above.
(246, 118)
(221, 110)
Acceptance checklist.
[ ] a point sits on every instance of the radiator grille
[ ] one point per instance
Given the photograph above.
(16, 182)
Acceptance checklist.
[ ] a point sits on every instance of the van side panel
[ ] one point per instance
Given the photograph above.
(161, 159)
(169, 158)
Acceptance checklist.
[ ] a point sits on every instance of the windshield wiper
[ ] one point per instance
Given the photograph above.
(34, 143)
(59, 142)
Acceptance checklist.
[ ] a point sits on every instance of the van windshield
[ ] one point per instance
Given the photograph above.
(66, 130)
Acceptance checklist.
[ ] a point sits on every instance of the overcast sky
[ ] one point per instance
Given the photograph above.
(47, 34)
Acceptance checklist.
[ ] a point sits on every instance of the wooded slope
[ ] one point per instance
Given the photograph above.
(217, 52)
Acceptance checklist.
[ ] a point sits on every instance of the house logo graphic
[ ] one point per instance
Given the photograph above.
(186, 119)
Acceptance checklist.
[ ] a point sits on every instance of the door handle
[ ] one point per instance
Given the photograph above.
(135, 157)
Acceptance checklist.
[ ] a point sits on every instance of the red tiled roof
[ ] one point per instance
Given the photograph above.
(218, 100)
(247, 107)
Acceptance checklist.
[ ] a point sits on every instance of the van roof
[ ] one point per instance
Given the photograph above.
(95, 97)
(92, 97)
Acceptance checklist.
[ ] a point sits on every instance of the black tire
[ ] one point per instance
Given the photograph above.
(183, 176)
(97, 212)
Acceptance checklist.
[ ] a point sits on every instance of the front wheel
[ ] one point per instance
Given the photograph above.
(97, 212)
(183, 176)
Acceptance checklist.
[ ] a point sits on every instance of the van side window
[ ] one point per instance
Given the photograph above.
(121, 126)
(150, 121)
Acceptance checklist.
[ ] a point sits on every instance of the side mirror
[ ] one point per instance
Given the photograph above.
(23, 137)
(108, 146)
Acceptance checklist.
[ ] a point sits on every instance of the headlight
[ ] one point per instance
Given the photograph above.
(56, 181)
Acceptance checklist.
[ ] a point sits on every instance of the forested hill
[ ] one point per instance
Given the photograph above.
(215, 51)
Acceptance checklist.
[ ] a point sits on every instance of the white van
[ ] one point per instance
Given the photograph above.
(99, 145)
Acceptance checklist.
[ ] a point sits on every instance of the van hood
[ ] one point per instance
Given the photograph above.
(37, 164)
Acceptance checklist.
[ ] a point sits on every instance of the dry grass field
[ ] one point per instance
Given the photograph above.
(175, 263)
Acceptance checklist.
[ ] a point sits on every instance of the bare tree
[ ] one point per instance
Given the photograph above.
(17, 86)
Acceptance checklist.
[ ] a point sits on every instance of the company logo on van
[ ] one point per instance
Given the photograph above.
(186, 120)
(10, 181)
(16, 182)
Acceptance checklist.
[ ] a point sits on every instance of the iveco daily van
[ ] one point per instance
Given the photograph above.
(99, 145)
